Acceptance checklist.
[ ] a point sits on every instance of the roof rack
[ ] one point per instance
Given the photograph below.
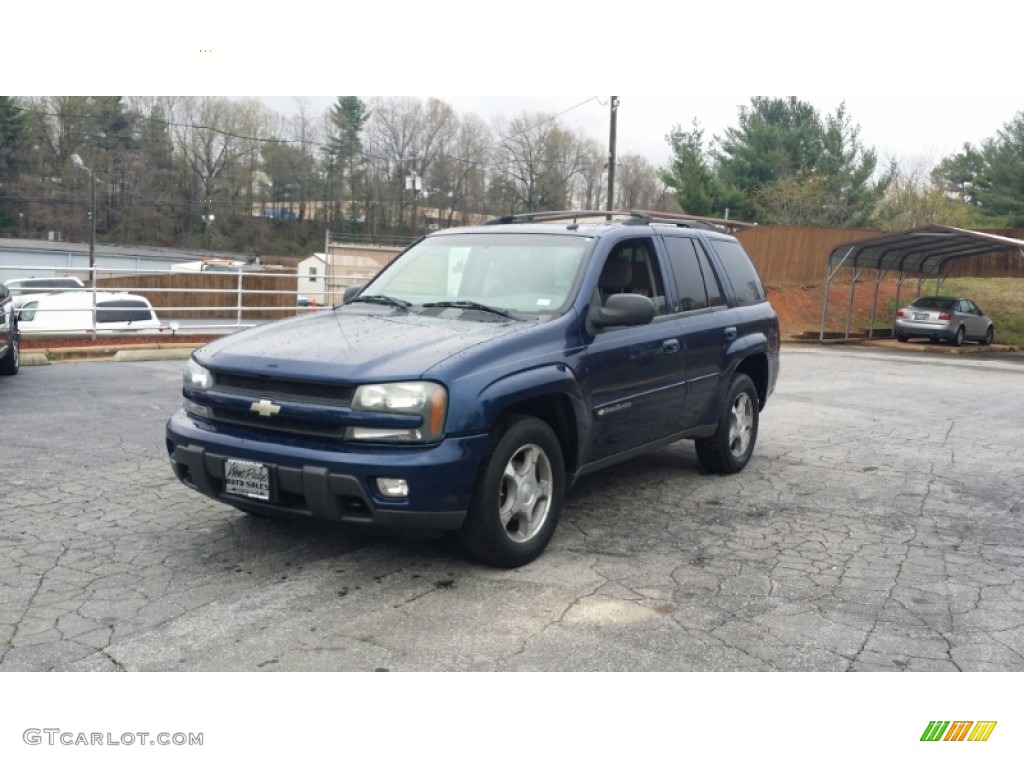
(625, 217)
(537, 216)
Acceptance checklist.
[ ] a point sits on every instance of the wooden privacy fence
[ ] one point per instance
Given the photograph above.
(783, 256)
(798, 255)
(248, 295)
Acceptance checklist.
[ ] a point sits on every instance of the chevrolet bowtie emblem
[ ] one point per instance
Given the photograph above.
(265, 408)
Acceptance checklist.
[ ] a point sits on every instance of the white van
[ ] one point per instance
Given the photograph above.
(72, 313)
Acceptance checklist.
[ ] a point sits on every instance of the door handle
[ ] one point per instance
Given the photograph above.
(670, 345)
(730, 332)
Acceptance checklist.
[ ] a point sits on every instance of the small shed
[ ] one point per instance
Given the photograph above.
(312, 278)
(922, 252)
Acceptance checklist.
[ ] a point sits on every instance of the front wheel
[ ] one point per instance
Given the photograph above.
(729, 449)
(518, 496)
(988, 337)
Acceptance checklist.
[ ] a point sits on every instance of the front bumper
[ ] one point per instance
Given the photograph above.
(333, 484)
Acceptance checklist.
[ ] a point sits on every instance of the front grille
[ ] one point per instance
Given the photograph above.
(305, 391)
(279, 424)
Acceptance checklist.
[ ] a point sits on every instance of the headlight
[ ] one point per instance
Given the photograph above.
(196, 377)
(425, 399)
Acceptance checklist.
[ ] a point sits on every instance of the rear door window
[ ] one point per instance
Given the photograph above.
(746, 284)
(696, 285)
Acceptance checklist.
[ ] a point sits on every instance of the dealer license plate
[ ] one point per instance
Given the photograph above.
(247, 478)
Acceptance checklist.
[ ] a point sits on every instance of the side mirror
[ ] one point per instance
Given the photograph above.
(351, 292)
(623, 309)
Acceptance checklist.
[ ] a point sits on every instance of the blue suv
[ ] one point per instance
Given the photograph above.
(482, 372)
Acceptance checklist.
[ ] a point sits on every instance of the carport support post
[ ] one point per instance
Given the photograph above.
(874, 303)
(899, 287)
(849, 309)
(829, 274)
(824, 305)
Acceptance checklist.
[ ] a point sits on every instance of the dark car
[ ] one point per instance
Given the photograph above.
(943, 318)
(482, 372)
(10, 336)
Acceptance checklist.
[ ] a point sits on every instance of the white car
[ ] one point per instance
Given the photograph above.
(23, 289)
(71, 313)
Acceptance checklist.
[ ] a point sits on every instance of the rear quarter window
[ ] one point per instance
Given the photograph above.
(122, 311)
(746, 284)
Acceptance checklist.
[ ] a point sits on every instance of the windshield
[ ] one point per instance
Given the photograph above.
(520, 272)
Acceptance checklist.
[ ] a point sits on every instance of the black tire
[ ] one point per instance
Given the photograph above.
(729, 449)
(901, 337)
(518, 496)
(958, 339)
(11, 362)
(987, 339)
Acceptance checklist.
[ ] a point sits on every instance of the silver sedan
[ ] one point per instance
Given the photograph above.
(952, 319)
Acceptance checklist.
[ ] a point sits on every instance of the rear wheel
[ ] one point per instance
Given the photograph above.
(901, 337)
(729, 449)
(11, 361)
(959, 338)
(518, 496)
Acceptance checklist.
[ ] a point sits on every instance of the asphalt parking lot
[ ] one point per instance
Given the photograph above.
(876, 528)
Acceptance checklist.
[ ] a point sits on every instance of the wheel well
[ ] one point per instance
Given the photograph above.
(556, 411)
(756, 367)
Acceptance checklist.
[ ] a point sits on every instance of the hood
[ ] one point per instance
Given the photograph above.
(352, 345)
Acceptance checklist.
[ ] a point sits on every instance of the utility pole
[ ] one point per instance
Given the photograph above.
(413, 182)
(92, 231)
(92, 234)
(611, 154)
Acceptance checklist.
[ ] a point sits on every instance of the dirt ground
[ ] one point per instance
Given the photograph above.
(799, 307)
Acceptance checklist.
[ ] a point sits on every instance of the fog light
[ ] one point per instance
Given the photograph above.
(393, 487)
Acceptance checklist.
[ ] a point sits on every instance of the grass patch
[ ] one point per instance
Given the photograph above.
(1001, 298)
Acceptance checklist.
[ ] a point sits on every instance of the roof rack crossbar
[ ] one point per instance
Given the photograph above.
(513, 218)
(626, 217)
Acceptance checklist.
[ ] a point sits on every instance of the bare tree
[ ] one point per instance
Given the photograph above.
(218, 140)
(541, 159)
(593, 176)
(637, 185)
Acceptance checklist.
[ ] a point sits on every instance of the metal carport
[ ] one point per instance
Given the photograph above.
(922, 251)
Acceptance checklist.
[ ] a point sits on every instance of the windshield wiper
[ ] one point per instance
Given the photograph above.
(378, 298)
(470, 305)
